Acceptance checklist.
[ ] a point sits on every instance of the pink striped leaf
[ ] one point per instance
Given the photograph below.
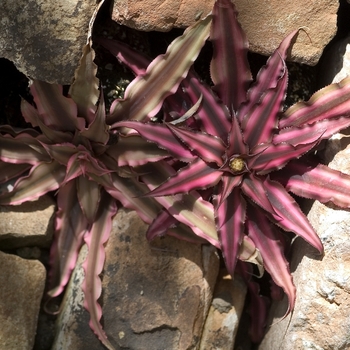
(162, 136)
(313, 180)
(229, 67)
(230, 217)
(333, 101)
(266, 237)
(38, 182)
(289, 215)
(145, 95)
(95, 238)
(70, 227)
(194, 176)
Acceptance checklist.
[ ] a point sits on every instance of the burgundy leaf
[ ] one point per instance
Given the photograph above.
(134, 151)
(229, 67)
(260, 123)
(230, 217)
(330, 102)
(323, 129)
(196, 175)
(312, 180)
(275, 157)
(266, 238)
(162, 136)
(268, 77)
(235, 139)
(145, 95)
(290, 217)
(189, 209)
(212, 115)
(253, 187)
(207, 147)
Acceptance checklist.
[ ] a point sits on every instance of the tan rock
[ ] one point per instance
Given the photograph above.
(155, 296)
(21, 287)
(44, 38)
(222, 322)
(266, 23)
(28, 224)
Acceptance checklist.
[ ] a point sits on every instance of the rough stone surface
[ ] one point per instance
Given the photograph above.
(44, 38)
(266, 23)
(224, 314)
(321, 316)
(28, 224)
(21, 287)
(154, 296)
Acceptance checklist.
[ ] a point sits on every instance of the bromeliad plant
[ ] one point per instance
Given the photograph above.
(70, 150)
(241, 146)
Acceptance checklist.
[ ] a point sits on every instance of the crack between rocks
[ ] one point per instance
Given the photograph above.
(158, 329)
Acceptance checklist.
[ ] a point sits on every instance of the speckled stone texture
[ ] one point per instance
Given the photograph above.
(21, 288)
(266, 23)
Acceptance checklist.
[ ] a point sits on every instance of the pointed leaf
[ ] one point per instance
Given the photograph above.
(89, 196)
(189, 209)
(134, 151)
(133, 59)
(70, 227)
(84, 90)
(330, 102)
(42, 178)
(54, 109)
(253, 187)
(212, 116)
(145, 95)
(210, 148)
(162, 136)
(290, 217)
(196, 175)
(324, 129)
(235, 139)
(22, 149)
(266, 238)
(230, 217)
(98, 130)
(276, 157)
(95, 239)
(268, 76)
(316, 181)
(264, 114)
(229, 67)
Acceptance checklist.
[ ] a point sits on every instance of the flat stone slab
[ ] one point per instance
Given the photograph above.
(22, 284)
(156, 294)
(266, 23)
(28, 224)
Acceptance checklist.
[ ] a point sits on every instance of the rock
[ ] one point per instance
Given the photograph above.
(221, 325)
(21, 287)
(336, 62)
(28, 224)
(155, 296)
(44, 39)
(265, 23)
(321, 316)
